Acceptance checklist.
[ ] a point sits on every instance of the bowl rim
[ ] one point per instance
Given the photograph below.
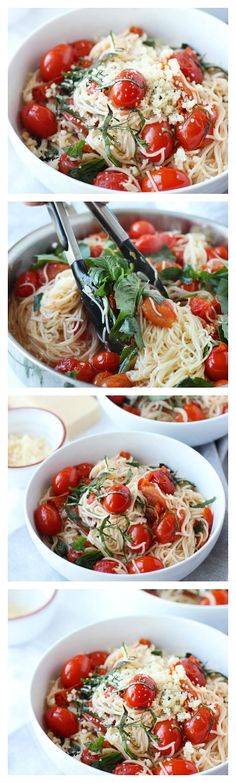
(35, 611)
(192, 606)
(46, 410)
(13, 133)
(214, 534)
(182, 423)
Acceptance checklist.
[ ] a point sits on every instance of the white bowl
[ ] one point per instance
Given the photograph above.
(217, 616)
(204, 32)
(204, 642)
(194, 433)
(35, 422)
(32, 611)
(149, 450)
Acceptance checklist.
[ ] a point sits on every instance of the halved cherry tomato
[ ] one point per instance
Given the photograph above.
(140, 227)
(139, 537)
(118, 499)
(152, 494)
(38, 120)
(50, 271)
(193, 669)
(169, 737)
(141, 692)
(47, 519)
(98, 658)
(112, 180)
(176, 767)
(54, 61)
(66, 164)
(165, 529)
(162, 478)
(188, 65)
(39, 92)
(149, 243)
(158, 139)
(84, 371)
(128, 90)
(106, 360)
(118, 380)
(198, 727)
(194, 286)
(88, 757)
(62, 722)
(84, 469)
(160, 314)
(194, 411)
(221, 596)
(26, 284)
(83, 47)
(117, 399)
(216, 365)
(73, 556)
(219, 250)
(66, 478)
(137, 31)
(61, 697)
(195, 131)
(96, 251)
(132, 409)
(144, 564)
(127, 767)
(75, 670)
(125, 454)
(165, 178)
(203, 309)
(106, 566)
(208, 516)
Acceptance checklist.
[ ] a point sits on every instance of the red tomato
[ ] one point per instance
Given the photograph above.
(145, 564)
(84, 469)
(166, 528)
(54, 61)
(26, 284)
(193, 670)
(165, 178)
(176, 767)
(88, 757)
(194, 132)
(118, 380)
(188, 65)
(125, 454)
(117, 399)
(152, 494)
(197, 728)
(221, 596)
(137, 31)
(98, 658)
(111, 179)
(208, 516)
(132, 409)
(140, 538)
(62, 722)
(61, 697)
(203, 309)
(221, 383)
(127, 767)
(73, 556)
(141, 692)
(96, 251)
(50, 271)
(118, 499)
(169, 737)
(75, 670)
(47, 519)
(216, 366)
(128, 90)
(194, 411)
(106, 360)
(83, 371)
(149, 243)
(66, 164)
(66, 478)
(140, 227)
(162, 315)
(163, 479)
(219, 250)
(106, 566)
(38, 120)
(83, 47)
(194, 286)
(39, 92)
(158, 139)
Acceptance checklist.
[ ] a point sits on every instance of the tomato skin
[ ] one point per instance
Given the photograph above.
(61, 697)
(162, 315)
(61, 721)
(198, 727)
(106, 360)
(117, 380)
(166, 178)
(193, 132)
(111, 179)
(152, 494)
(38, 120)
(141, 538)
(216, 365)
(83, 47)
(84, 469)
(203, 309)
(118, 399)
(55, 60)
(176, 767)
(194, 286)
(118, 499)
(127, 768)
(158, 136)
(75, 670)
(98, 658)
(66, 478)
(141, 692)
(168, 731)
(88, 757)
(140, 227)
(50, 271)
(47, 519)
(149, 243)
(106, 566)
(163, 479)
(193, 670)
(221, 596)
(194, 412)
(137, 31)
(166, 528)
(66, 164)
(132, 409)
(26, 284)
(219, 250)
(128, 90)
(84, 371)
(145, 564)
(188, 65)
(40, 90)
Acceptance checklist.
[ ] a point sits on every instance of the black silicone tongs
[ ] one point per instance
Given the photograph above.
(110, 223)
(95, 305)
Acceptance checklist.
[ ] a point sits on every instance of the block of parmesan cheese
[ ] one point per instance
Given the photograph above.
(77, 412)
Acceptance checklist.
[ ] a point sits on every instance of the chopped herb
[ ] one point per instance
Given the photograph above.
(79, 544)
(96, 745)
(127, 358)
(223, 330)
(203, 505)
(37, 301)
(156, 652)
(108, 762)
(190, 382)
(75, 150)
(86, 172)
(90, 559)
(61, 548)
(150, 42)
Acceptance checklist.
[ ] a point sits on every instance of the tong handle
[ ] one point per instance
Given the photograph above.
(65, 233)
(108, 221)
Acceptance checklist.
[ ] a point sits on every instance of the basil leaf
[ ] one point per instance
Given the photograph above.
(37, 300)
(75, 150)
(127, 357)
(149, 42)
(223, 330)
(156, 652)
(61, 548)
(164, 254)
(172, 273)
(127, 291)
(97, 744)
(222, 294)
(89, 560)
(190, 382)
(108, 762)
(86, 172)
(79, 544)
(203, 505)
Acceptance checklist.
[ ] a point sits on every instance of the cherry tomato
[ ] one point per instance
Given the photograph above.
(83, 371)
(197, 728)
(54, 61)
(137, 31)
(208, 516)
(111, 179)
(39, 92)
(106, 360)
(50, 271)
(140, 227)
(66, 478)
(38, 120)
(132, 409)
(98, 658)
(162, 315)
(83, 47)
(62, 722)
(149, 243)
(106, 566)
(152, 494)
(141, 692)
(47, 519)
(118, 499)
(75, 670)
(175, 767)
(169, 737)
(128, 90)
(66, 164)
(125, 454)
(127, 768)
(194, 286)
(216, 366)
(166, 178)
(101, 378)
(193, 670)
(96, 251)
(219, 250)
(220, 596)
(117, 380)
(203, 309)
(61, 697)
(117, 399)
(72, 555)
(163, 479)
(84, 469)
(88, 757)
(158, 139)
(26, 284)
(188, 65)
(221, 383)
(166, 528)
(144, 564)
(194, 411)
(140, 538)
(194, 132)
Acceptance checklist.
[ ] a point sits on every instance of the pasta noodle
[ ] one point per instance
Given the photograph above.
(195, 597)
(177, 409)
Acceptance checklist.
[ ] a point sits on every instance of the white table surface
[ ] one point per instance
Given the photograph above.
(22, 22)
